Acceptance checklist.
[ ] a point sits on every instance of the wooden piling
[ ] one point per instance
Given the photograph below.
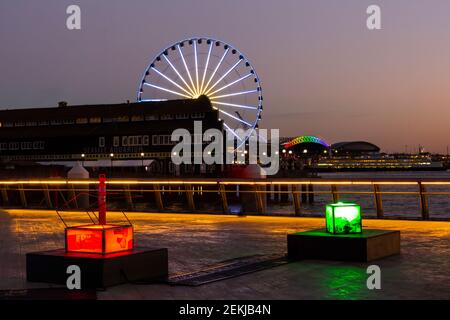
(303, 193)
(276, 193)
(284, 196)
(334, 192)
(158, 197)
(259, 199)
(424, 202)
(310, 194)
(128, 197)
(378, 201)
(5, 197)
(190, 197)
(223, 196)
(23, 198)
(296, 200)
(47, 197)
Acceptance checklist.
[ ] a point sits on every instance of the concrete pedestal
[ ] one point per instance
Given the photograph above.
(97, 270)
(370, 245)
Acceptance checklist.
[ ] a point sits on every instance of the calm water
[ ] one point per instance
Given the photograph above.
(394, 174)
(394, 205)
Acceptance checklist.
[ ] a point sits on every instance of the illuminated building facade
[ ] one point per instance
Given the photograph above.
(108, 133)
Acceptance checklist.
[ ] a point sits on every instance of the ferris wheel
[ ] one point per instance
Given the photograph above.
(200, 66)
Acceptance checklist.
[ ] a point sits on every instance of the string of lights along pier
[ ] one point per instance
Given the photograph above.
(203, 66)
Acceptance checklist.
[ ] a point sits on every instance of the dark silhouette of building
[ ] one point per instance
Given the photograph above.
(127, 131)
(354, 148)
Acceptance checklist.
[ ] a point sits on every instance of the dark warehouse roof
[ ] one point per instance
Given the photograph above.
(201, 104)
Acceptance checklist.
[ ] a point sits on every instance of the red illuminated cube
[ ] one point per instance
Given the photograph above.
(97, 238)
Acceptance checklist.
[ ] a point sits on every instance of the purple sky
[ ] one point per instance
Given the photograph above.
(323, 73)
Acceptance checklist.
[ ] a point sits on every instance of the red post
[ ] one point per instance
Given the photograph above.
(102, 199)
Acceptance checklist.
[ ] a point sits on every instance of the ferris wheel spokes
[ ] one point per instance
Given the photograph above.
(204, 66)
(223, 76)
(179, 75)
(196, 67)
(231, 83)
(170, 80)
(166, 90)
(217, 67)
(233, 94)
(187, 70)
(232, 131)
(236, 118)
(234, 105)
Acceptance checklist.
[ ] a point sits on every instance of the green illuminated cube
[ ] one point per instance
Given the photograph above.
(343, 218)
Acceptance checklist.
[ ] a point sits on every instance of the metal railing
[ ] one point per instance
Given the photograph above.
(253, 196)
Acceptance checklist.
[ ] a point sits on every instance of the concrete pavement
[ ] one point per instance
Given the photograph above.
(197, 240)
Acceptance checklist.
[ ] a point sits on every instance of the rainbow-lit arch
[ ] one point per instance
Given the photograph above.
(305, 139)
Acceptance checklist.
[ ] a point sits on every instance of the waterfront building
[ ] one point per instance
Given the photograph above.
(315, 155)
(126, 134)
(362, 155)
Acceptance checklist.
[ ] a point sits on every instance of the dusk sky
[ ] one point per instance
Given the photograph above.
(322, 71)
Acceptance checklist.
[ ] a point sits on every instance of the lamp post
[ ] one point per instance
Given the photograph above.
(111, 156)
(102, 199)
